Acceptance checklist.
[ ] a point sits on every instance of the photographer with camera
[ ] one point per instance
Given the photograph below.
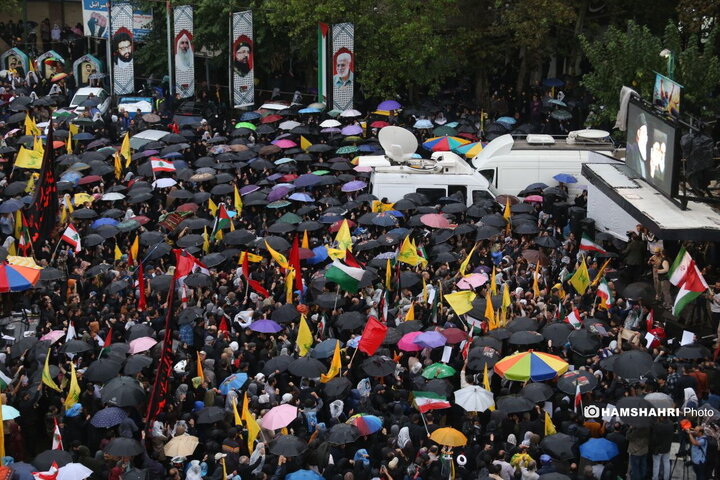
(698, 451)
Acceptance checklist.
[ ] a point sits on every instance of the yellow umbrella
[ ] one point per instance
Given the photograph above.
(449, 437)
(82, 197)
(181, 446)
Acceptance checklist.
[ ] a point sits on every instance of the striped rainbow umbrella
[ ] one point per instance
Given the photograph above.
(16, 278)
(470, 149)
(535, 366)
(444, 144)
(367, 424)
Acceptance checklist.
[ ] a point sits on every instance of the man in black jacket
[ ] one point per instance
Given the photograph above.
(661, 436)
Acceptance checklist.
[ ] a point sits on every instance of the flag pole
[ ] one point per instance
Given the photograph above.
(424, 423)
(52, 258)
(351, 359)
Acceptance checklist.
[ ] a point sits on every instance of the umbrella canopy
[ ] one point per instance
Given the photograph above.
(44, 460)
(599, 450)
(557, 333)
(633, 364)
(288, 446)
(108, 417)
(537, 392)
(379, 366)
(279, 417)
(630, 403)
(559, 446)
(438, 370)
(233, 382)
(474, 398)
(210, 415)
(569, 382)
(307, 367)
(365, 423)
(514, 404)
(535, 366)
(73, 471)
(448, 437)
(123, 392)
(124, 447)
(17, 278)
(181, 446)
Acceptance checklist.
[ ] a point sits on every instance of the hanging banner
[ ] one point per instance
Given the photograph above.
(86, 69)
(322, 47)
(96, 24)
(243, 73)
(184, 51)
(15, 59)
(123, 44)
(343, 65)
(49, 64)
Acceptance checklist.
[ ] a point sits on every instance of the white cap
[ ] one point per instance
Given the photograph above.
(461, 460)
(220, 455)
(234, 346)
(287, 397)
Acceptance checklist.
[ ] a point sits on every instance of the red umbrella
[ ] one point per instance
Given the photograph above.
(58, 144)
(435, 220)
(271, 118)
(289, 177)
(188, 207)
(454, 335)
(336, 226)
(379, 124)
(469, 136)
(306, 253)
(502, 199)
(141, 219)
(534, 198)
(89, 179)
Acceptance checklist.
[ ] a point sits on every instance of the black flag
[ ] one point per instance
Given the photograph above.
(43, 211)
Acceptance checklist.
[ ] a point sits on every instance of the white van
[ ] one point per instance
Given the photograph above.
(511, 164)
(397, 173)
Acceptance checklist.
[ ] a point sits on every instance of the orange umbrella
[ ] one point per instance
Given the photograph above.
(449, 437)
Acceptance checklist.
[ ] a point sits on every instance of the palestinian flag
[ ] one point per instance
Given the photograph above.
(24, 240)
(574, 319)
(223, 218)
(587, 244)
(72, 237)
(605, 295)
(426, 401)
(160, 165)
(348, 278)
(691, 286)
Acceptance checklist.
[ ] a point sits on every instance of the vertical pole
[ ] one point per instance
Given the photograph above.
(231, 99)
(108, 49)
(169, 49)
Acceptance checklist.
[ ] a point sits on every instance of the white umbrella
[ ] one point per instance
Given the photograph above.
(162, 183)
(330, 123)
(660, 400)
(8, 412)
(74, 471)
(289, 125)
(350, 112)
(474, 398)
(112, 196)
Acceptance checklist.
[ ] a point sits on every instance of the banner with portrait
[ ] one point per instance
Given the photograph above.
(184, 51)
(15, 59)
(242, 59)
(88, 71)
(49, 64)
(123, 49)
(343, 65)
(96, 23)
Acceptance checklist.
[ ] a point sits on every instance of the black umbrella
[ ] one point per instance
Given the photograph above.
(500, 333)
(378, 366)
(584, 342)
(307, 367)
(351, 320)
(547, 242)
(491, 342)
(135, 473)
(639, 291)
(136, 363)
(559, 445)
(329, 300)
(50, 273)
(526, 229)
(76, 346)
(84, 214)
(103, 370)
(409, 326)
(276, 243)
(124, 447)
(392, 336)
(525, 338)
(161, 283)
(635, 403)
(343, 433)
(408, 279)
(21, 346)
(97, 269)
(479, 357)
(189, 315)
(92, 240)
(279, 364)
(515, 404)
(198, 280)
(557, 333)
(632, 365)
(569, 382)
(288, 446)
(140, 330)
(287, 313)
(210, 415)
(44, 461)
(439, 386)
(123, 392)
(238, 237)
(537, 392)
(521, 324)
(693, 351)
(338, 387)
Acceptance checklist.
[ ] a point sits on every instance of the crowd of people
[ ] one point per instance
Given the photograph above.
(249, 201)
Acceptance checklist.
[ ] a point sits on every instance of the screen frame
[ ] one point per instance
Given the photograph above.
(658, 77)
(674, 171)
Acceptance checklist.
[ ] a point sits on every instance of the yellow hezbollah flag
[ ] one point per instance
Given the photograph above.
(304, 337)
(388, 275)
(460, 302)
(125, 149)
(28, 158)
(336, 253)
(46, 376)
(507, 213)
(118, 166)
(505, 304)
(68, 145)
(251, 424)
(408, 253)
(73, 395)
(424, 291)
(277, 256)
(601, 273)
(18, 224)
(549, 425)
(335, 365)
(304, 143)
(206, 240)
(536, 281)
(38, 146)
(135, 247)
(31, 127)
(212, 207)
(410, 315)
(73, 128)
(199, 366)
(238, 420)
(250, 256)
(581, 278)
(464, 264)
(486, 383)
(489, 311)
(118, 252)
(237, 201)
(289, 282)
(305, 240)
(493, 282)
(343, 238)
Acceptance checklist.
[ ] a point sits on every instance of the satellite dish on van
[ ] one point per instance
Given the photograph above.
(592, 133)
(399, 144)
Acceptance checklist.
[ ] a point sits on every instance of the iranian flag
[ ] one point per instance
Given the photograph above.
(680, 267)
(574, 319)
(587, 244)
(72, 237)
(605, 295)
(426, 401)
(348, 278)
(692, 286)
(160, 165)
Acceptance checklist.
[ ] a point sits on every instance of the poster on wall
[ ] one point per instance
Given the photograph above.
(15, 59)
(242, 63)
(96, 23)
(122, 44)
(49, 64)
(343, 65)
(184, 51)
(86, 69)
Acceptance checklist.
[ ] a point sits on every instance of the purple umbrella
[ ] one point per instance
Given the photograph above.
(330, 130)
(301, 197)
(307, 180)
(389, 105)
(278, 193)
(249, 189)
(352, 130)
(430, 339)
(354, 186)
(275, 176)
(265, 326)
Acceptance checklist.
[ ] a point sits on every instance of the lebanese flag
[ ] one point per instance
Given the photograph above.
(51, 474)
(587, 244)
(160, 165)
(57, 437)
(72, 237)
(426, 401)
(187, 264)
(578, 400)
(574, 319)
(372, 337)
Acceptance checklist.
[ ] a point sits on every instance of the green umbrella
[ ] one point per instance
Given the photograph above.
(438, 370)
(321, 172)
(278, 204)
(334, 113)
(346, 149)
(445, 130)
(245, 125)
(290, 218)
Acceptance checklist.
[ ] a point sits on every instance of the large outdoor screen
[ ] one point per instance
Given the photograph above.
(651, 148)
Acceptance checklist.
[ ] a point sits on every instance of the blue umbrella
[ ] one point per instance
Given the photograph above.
(321, 254)
(307, 180)
(384, 220)
(328, 218)
(508, 120)
(301, 197)
(368, 148)
(304, 475)
(247, 116)
(71, 177)
(83, 136)
(309, 110)
(325, 349)
(565, 178)
(553, 82)
(400, 232)
(10, 206)
(599, 450)
(23, 471)
(423, 123)
(233, 382)
(108, 417)
(104, 221)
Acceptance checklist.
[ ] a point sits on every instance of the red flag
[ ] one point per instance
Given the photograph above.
(246, 267)
(578, 400)
(223, 327)
(255, 285)
(650, 320)
(351, 261)
(141, 287)
(108, 339)
(466, 347)
(372, 336)
(294, 260)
